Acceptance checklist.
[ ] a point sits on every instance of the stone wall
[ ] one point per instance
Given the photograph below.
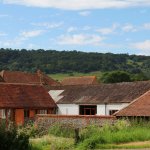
(75, 121)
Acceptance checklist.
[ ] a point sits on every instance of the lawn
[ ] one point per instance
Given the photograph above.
(61, 76)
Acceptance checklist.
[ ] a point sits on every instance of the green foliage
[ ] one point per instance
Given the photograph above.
(28, 129)
(10, 139)
(62, 131)
(50, 142)
(52, 61)
(95, 137)
(121, 132)
(115, 77)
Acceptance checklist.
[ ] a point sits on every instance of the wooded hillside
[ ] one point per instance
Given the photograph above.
(52, 61)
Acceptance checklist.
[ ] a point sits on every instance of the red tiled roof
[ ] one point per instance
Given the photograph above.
(29, 78)
(24, 96)
(139, 107)
(85, 80)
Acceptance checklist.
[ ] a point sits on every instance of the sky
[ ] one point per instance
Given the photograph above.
(116, 26)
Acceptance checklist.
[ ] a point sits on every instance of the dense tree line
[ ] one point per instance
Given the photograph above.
(52, 61)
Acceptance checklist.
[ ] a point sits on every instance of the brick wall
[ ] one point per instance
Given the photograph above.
(75, 121)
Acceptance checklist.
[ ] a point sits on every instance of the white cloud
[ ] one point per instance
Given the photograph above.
(80, 4)
(107, 30)
(72, 29)
(21, 38)
(84, 13)
(29, 34)
(80, 39)
(3, 34)
(48, 25)
(10, 43)
(146, 26)
(3, 15)
(144, 46)
(85, 28)
(129, 28)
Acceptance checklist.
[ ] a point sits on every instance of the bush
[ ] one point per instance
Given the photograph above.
(10, 139)
(29, 129)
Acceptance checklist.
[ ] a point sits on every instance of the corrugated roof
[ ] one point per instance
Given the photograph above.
(24, 96)
(84, 80)
(139, 107)
(103, 93)
(29, 78)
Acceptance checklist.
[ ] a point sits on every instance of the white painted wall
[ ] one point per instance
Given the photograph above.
(73, 109)
(101, 108)
(68, 109)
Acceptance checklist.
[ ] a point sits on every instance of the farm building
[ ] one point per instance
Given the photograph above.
(20, 102)
(27, 78)
(84, 80)
(140, 107)
(102, 99)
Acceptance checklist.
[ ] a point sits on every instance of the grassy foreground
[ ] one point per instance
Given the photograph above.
(119, 136)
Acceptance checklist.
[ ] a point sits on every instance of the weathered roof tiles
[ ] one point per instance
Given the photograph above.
(124, 92)
(28, 78)
(24, 96)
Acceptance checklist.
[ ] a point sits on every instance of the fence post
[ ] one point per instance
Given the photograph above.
(77, 138)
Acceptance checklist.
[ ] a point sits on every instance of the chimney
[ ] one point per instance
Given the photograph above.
(40, 74)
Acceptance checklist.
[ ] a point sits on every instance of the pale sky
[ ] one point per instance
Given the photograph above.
(117, 26)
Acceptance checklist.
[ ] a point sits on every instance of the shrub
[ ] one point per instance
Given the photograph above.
(29, 130)
(10, 139)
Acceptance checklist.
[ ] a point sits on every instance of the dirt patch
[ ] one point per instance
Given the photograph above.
(136, 143)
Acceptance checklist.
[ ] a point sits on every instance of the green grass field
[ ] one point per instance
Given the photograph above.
(118, 136)
(61, 76)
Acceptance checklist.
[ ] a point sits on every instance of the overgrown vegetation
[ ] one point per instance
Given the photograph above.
(62, 131)
(110, 136)
(10, 139)
(95, 137)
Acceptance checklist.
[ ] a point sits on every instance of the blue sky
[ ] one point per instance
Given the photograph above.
(117, 26)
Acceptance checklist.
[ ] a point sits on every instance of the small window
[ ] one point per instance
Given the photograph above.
(111, 112)
(2, 113)
(26, 113)
(43, 111)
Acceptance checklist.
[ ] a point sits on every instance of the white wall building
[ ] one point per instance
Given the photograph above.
(102, 99)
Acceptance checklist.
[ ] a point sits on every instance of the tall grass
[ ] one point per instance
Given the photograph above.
(51, 142)
(62, 131)
(94, 137)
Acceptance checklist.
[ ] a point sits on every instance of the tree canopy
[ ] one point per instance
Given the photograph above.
(52, 61)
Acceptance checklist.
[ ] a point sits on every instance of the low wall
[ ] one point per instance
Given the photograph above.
(75, 121)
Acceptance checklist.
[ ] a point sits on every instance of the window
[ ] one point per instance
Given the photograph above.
(26, 113)
(2, 113)
(111, 112)
(88, 109)
(44, 111)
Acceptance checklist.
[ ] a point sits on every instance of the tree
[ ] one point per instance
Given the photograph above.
(115, 77)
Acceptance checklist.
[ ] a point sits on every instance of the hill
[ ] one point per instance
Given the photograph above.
(52, 61)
